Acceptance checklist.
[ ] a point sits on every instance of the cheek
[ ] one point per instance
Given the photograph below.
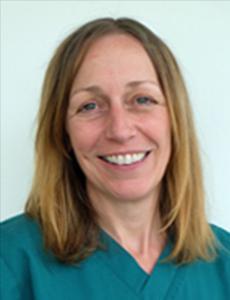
(163, 123)
(83, 137)
(157, 127)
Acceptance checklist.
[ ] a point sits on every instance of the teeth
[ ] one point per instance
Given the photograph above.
(126, 159)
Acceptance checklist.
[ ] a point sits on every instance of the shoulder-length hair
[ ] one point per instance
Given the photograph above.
(58, 198)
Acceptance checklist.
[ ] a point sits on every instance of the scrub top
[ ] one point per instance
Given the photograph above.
(29, 272)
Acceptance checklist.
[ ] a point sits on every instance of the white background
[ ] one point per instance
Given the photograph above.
(198, 32)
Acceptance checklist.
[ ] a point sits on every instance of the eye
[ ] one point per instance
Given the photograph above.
(88, 107)
(145, 100)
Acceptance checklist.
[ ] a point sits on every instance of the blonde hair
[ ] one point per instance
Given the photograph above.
(58, 198)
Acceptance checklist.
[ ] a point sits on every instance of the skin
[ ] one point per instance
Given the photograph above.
(117, 107)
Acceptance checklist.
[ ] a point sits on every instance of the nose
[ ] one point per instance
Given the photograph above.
(120, 125)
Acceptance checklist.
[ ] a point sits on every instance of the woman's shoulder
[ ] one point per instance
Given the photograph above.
(222, 261)
(19, 232)
(19, 224)
(223, 239)
(220, 231)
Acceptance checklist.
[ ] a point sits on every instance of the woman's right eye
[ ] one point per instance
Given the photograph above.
(88, 107)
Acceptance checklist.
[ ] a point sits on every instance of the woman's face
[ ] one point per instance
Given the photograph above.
(118, 121)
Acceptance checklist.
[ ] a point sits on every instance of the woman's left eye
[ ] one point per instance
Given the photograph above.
(145, 100)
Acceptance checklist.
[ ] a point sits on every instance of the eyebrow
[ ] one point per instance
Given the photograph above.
(98, 90)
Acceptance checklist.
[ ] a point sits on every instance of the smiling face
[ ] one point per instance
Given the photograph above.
(118, 121)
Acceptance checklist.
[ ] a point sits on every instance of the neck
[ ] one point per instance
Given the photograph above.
(133, 224)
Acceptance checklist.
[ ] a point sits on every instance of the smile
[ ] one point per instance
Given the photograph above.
(126, 159)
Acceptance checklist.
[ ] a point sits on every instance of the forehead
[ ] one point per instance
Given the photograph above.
(116, 57)
(114, 42)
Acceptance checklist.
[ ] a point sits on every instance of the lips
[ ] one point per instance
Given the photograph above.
(125, 159)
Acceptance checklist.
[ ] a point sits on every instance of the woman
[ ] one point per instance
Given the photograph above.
(116, 209)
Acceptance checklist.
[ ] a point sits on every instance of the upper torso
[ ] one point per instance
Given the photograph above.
(30, 272)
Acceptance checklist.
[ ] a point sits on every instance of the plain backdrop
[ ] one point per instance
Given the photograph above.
(198, 32)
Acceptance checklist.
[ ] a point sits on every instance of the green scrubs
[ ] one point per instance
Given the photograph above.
(29, 272)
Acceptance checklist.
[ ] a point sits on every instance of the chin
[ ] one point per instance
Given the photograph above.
(137, 192)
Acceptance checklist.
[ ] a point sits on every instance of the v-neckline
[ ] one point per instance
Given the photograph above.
(127, 269)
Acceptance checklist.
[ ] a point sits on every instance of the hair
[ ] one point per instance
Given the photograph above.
(58, 198)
